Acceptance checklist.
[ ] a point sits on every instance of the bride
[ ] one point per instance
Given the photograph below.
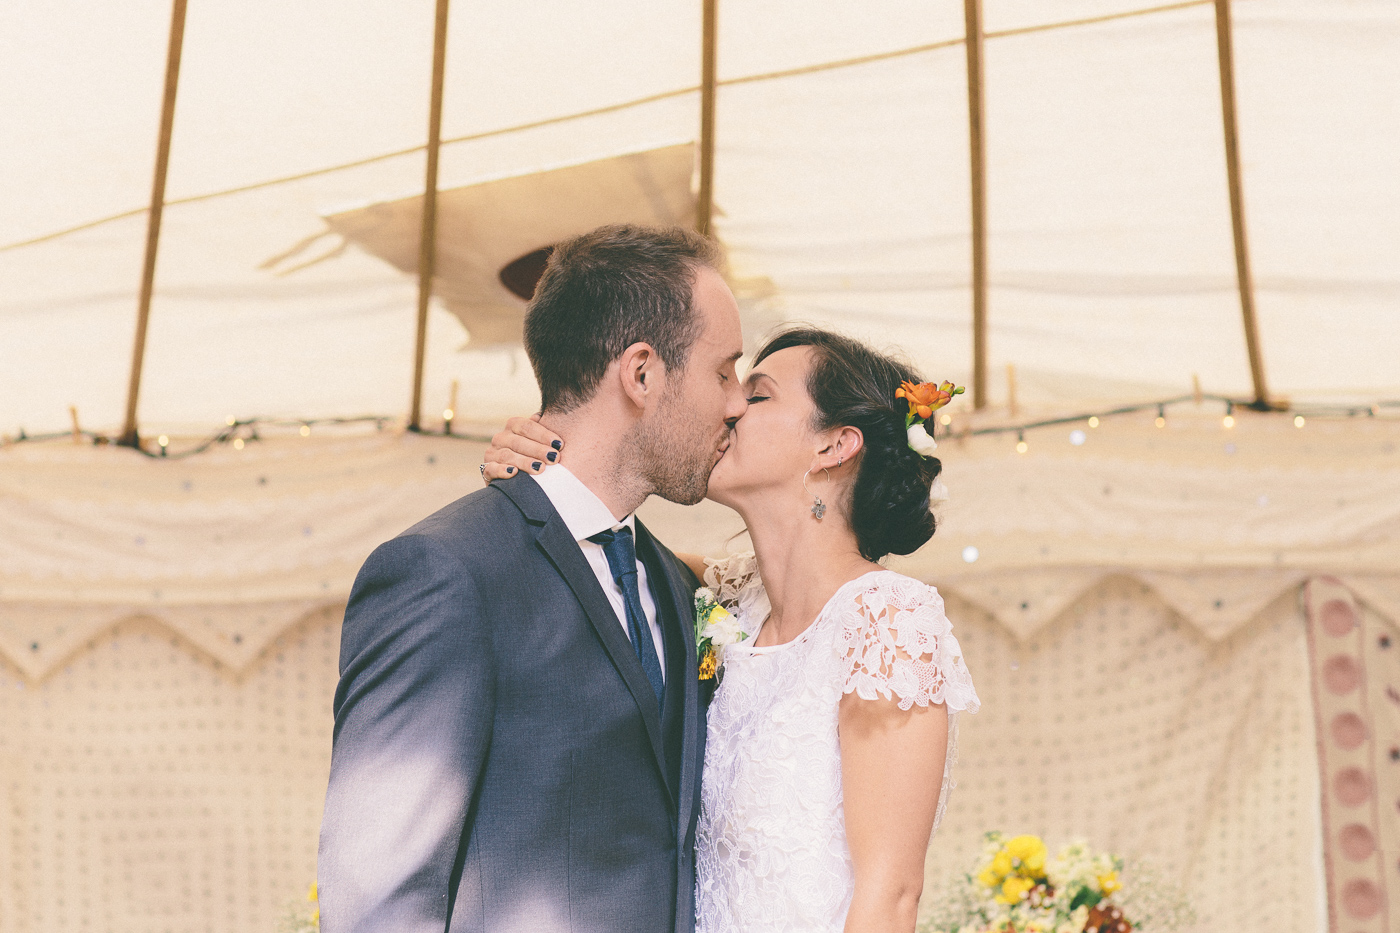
(830, 737)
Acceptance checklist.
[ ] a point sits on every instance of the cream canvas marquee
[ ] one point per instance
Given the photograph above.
(1185, 636)
(841, 178)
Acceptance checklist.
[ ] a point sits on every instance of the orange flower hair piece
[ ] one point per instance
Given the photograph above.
(926, 398)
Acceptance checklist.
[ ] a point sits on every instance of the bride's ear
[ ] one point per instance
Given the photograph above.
(842, 446)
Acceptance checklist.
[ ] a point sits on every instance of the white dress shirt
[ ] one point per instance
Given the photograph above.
(585, 515)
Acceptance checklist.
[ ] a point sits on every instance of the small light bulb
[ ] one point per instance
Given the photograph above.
(1228, 421)
(230, 421)
(448, 414)
(1022, 447)
(238, 443)
(1299, 421)
(163, 441)
(1160, 422)
(306, 430)
(946, 420)
(1094, 421)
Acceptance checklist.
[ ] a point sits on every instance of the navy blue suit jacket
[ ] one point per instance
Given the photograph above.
(499, 760)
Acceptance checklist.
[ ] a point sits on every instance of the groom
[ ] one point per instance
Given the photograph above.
(518, 737)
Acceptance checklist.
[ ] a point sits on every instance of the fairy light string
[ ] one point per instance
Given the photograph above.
(238, 432)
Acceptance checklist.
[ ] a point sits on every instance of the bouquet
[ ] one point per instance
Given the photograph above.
(304, 919)
(1017, 887)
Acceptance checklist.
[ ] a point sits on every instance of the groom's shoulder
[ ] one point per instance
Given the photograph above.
(488, 513)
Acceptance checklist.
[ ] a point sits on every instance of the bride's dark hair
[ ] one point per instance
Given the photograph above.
(851, 384)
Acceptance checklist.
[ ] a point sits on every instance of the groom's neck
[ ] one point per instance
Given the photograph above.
(594, 440)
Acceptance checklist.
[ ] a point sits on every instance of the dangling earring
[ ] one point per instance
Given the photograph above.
(818, 506)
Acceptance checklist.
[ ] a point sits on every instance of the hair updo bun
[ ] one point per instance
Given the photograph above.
(851, 384)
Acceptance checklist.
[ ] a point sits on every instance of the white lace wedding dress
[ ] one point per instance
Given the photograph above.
(771, 845)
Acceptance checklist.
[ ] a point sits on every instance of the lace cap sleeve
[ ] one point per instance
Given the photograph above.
(897, 643)
(731, 577)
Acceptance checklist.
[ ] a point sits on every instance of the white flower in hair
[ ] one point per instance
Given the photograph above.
(921, 441)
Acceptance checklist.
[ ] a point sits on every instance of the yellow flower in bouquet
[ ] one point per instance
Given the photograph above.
(1030, 852)
(1109, 883)
(1014, 888)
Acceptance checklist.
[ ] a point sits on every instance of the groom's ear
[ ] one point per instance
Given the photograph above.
(642, 374)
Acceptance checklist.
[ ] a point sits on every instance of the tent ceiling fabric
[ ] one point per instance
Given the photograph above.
(1110, 259)
(484, 227)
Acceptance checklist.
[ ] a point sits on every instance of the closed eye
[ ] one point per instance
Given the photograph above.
(758, 398)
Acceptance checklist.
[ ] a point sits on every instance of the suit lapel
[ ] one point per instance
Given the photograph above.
(673, 654)
(563, 551)
(681, 677)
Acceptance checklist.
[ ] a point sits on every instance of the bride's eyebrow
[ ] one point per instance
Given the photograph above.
(753, 379)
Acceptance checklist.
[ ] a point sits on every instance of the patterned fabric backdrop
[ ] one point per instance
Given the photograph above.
(169, 638)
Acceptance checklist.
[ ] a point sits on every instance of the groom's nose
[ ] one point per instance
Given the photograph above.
(737, 404)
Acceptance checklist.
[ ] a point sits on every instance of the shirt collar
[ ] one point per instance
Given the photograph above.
(584, 514)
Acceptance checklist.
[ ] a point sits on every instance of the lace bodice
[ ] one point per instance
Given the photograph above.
(772, 853)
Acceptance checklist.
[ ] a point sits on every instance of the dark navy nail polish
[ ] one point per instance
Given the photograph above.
(535, 465)
(557, 445)
(510, 469)
(551, 456)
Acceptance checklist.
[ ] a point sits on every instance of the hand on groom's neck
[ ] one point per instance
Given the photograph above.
(595, 441)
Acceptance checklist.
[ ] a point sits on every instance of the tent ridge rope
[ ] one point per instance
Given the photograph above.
(606, 109)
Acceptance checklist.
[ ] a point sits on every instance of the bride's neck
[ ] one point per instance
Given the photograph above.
(802, 562)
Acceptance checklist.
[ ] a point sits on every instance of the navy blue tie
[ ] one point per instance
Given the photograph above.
(622, 561)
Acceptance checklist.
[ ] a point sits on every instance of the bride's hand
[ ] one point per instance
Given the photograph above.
(522, 446)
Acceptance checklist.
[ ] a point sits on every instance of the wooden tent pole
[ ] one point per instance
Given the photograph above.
(976, 110)
(130, 436)
(1224, 38)
(427, 240)
(704, 207)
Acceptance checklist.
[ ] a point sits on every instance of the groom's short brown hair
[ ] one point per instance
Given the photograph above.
(604, 291)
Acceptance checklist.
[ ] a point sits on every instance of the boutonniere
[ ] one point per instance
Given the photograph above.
(715, 628)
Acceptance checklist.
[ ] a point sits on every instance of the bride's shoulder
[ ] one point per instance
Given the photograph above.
(731, 575)
(882, 590)
(896, 642)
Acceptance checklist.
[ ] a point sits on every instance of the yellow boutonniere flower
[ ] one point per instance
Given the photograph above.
(715, 628)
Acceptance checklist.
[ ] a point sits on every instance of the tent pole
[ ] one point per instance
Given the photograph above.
(704, 207)
(1224, 39)
(427, 240)
(976, 110)
(130, 436)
